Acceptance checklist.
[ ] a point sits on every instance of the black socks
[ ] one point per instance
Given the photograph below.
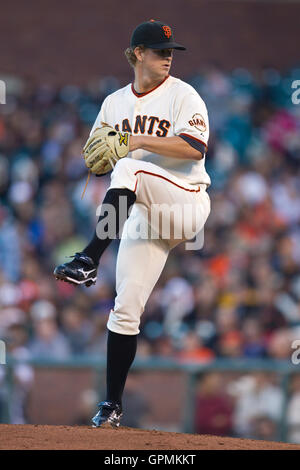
(114, 212)
(121, 350)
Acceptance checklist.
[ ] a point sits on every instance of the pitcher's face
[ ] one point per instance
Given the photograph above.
(156, 62)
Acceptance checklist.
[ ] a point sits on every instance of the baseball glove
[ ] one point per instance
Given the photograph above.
(104, 148)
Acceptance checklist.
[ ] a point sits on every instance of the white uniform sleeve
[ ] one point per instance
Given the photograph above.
(191, 121)
(102, 116)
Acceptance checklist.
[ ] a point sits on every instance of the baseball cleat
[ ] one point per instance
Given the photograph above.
(109, 414)
(81, 270)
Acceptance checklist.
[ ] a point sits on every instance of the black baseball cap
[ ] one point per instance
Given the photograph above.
(154, 35)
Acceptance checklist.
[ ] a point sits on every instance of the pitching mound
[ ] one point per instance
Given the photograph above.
(27, 437)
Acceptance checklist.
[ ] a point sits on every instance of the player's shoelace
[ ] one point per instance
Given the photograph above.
(79, 258)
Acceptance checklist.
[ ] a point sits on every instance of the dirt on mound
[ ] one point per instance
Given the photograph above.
(35, 437)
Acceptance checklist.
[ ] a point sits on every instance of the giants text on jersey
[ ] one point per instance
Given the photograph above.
(173, 108)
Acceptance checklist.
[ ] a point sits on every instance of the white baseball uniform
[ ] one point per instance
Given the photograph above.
(173, 108)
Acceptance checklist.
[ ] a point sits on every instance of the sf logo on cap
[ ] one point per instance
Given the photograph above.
(167, 31)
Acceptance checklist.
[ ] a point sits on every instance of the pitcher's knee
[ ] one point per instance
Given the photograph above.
(123, 174)
(123, 323)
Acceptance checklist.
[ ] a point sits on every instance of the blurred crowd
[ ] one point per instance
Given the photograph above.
(238, 297)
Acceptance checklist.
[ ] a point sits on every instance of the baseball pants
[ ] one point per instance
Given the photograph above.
(169, 211)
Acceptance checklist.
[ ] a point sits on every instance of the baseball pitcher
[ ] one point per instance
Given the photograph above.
(152, 135)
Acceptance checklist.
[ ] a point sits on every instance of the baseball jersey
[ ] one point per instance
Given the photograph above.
(173, 108)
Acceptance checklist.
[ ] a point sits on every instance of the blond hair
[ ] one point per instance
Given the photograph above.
(130, 55)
